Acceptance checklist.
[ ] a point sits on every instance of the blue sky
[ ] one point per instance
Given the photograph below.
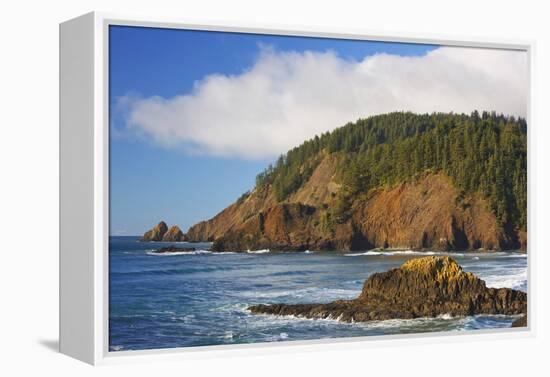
(152, 181)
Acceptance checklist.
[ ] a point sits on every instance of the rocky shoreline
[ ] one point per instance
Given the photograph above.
(421, 287)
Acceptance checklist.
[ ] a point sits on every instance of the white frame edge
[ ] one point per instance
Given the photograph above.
(76, 186)
(84, 191)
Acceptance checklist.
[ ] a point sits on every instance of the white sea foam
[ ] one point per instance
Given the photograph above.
(310, 293)
(195, 252)
(476, 255)
(263, 251)
(271, 320)
(168, 254)
(228, 335)
(401, 324)
(391, 252)
(515, 278)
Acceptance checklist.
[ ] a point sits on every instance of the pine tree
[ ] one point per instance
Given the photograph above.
(485, 154)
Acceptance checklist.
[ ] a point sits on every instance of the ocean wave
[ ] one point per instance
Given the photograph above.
(263, 251)
(311, 293)
(515, 278)
(289, 319)
(276, 337)
(175, 242)
(292, 273)
(392, 252)
(194, 252)
(398, 325)
(228, 335)
(232, 308)
(505, 254)
(273, 319)
(413, 322)
(516, 255)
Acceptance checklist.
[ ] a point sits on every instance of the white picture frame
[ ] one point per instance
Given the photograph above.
(84, 190)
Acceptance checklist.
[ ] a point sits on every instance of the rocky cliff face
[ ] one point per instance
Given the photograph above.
(423, 287)
(424, 212)
(318, 191)
(428, 212)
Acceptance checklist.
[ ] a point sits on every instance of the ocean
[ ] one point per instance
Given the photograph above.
(200, 298)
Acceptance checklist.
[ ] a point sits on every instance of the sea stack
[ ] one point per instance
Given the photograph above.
(422, 287)
(161, 233)
(155, 234)
(174, 234)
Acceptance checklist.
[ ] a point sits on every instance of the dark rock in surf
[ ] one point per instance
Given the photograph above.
(423, 287)
(173, 249)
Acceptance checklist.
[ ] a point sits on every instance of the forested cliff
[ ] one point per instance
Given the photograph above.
(428, 181)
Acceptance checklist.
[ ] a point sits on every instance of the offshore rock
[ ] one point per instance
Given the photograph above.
(155, 234)
(174, 234)
(173, 249)
(423, 287)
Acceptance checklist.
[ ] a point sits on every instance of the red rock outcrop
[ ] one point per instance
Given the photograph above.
(425, 212)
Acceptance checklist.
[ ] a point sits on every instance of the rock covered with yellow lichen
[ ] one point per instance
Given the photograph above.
(423, 287)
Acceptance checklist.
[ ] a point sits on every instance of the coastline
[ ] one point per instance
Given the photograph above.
(203, 296)
(374, 251)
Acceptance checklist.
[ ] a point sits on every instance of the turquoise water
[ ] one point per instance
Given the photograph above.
(200, 298)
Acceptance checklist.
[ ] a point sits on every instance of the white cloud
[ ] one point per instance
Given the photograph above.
(288, 97)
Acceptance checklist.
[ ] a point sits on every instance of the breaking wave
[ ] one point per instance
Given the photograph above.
(262, 251)
(515, 278)
(391, 252)
(194, 252)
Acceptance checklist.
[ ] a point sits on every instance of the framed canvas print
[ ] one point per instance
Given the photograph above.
(225, 187)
